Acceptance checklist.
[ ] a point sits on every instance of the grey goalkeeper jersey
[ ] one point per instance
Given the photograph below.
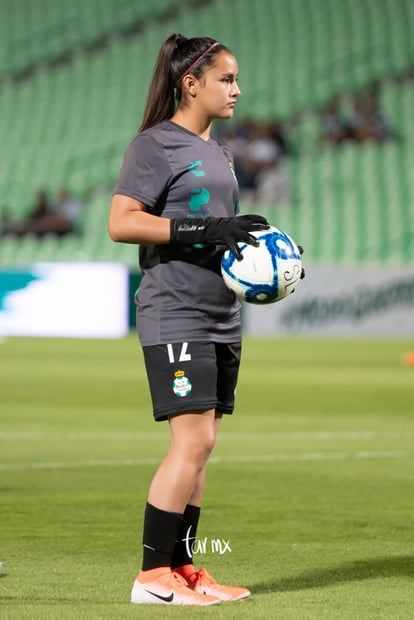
(182, 296)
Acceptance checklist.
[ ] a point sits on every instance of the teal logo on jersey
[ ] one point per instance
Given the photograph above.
(193, 168)
(199, 197)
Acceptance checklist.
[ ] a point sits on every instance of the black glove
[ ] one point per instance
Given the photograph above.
(302, 273)
(223, 230)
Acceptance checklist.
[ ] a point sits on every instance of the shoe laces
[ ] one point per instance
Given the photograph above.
(179, 580)
(201, 576)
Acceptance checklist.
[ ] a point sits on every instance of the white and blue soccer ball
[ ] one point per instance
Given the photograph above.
(267, 273)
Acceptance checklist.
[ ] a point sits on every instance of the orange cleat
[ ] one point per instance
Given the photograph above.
(160, 586)
(202, 582)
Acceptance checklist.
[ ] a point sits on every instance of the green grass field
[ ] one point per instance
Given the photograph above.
(310, 484)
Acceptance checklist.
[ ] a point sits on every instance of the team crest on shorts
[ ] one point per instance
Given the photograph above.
(181, 385)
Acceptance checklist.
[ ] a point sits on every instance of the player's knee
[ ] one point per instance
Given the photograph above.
(201, 448)
(209, 444)
(195, 444)
(204, 448)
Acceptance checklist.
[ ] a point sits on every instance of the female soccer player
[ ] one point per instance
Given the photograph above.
(177, 198)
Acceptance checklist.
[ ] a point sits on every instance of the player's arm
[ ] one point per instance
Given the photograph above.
(129, 222)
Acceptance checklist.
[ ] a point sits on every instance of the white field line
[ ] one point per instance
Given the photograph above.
(222, 436)
(254, 458)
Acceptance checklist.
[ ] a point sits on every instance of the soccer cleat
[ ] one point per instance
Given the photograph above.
(162, 587)
(201, 581)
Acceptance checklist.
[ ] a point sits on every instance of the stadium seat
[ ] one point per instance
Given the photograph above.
(70, 125)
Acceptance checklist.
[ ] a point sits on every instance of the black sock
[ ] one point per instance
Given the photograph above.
(160, 534)
(183, 552)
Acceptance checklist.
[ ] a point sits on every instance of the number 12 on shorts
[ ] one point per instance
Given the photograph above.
(183, 357)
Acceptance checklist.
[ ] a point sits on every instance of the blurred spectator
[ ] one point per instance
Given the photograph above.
(69, 207)
(262, 149)
(258, 149)
(277, 132)
(273, 184)
(335, 129)
(44, 219)
(265, 156)
(367, 123)
(33, 222)
(238, 137)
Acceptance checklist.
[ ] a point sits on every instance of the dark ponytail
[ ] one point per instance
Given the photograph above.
(160, 100)
(176, 57)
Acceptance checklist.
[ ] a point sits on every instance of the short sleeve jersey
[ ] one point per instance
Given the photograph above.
(182, 295)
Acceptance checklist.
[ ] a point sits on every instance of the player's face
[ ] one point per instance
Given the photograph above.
(218, 89)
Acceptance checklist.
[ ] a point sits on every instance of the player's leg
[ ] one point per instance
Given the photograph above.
(182, 470)
(192, 381)
(192, 439)
(183, 551)
(228, 360)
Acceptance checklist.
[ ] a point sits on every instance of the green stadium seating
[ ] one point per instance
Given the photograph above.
(69, 125)
(35, 31)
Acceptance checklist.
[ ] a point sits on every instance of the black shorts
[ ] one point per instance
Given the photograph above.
(192, 376)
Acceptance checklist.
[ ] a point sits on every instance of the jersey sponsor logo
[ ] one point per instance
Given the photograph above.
(181, 385)
(193, 168)
(199, 197)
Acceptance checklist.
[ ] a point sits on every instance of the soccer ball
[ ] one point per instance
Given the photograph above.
(267, 273)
